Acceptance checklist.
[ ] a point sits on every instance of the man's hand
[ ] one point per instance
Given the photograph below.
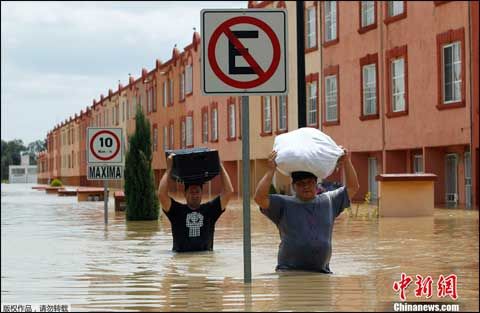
(351, 179)
(343, 158)
(272, 165)
(170, 161)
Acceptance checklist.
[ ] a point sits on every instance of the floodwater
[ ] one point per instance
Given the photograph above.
(56, 250)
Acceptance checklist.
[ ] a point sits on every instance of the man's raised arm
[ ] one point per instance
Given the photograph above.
(261, 194)
(227, 188)
(163, 186)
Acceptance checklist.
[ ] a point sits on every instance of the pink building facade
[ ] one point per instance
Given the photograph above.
(394, 82)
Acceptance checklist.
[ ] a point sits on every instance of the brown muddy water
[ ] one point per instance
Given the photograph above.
(56, 250)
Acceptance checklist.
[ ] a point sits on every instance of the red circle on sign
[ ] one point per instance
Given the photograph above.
(116, 139)
(225, 27)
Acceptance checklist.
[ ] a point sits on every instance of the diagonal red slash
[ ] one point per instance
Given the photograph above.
(243, 51)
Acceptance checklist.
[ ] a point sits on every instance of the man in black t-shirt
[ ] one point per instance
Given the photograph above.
(193, 224)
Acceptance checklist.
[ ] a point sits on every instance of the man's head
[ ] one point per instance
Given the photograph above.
(305, 185)
(193, 194)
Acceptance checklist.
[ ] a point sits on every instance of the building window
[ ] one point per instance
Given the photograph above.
(189, 130)
(182, 86)
(395, 10)
(282, 113)
(418, 163)
(395, 7)
(231, 120)
(240, 99)
(451, 75)
(214, 124)
(311, 27)
(153, 96)
(149, 101)
(165, 138)
(266, 115)
(331, 29)
(397, 86)
(189, 79)
(155, 137)
(205, 125)
(171, 142)
(123, 111)
(170, 93)
(312, 103)
(184, 133)
(165, 94)
(331, 92)
(369, 87)
(451, 69)
(368, 15)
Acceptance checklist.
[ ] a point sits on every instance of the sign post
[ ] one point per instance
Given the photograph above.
(104, 158)
(244, 53)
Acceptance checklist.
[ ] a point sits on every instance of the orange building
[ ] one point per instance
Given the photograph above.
(394, 82)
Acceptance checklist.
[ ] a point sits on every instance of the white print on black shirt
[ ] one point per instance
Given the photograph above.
(194, 222)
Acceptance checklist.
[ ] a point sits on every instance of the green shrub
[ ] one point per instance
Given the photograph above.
(56, 183)
(140, 193)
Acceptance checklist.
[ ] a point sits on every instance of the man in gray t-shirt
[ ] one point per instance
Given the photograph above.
(305, 221)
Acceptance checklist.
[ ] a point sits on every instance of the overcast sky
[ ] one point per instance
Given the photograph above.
(58, 56)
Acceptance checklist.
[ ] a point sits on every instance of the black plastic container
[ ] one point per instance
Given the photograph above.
(196, 165)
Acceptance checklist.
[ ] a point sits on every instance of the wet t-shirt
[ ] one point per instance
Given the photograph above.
(306, 229)
(192, 230)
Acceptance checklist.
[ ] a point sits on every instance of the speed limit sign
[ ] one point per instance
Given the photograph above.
(104, 145)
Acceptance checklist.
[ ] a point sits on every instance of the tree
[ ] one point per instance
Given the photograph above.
(11, 151)
(34, 148)
(140, 193)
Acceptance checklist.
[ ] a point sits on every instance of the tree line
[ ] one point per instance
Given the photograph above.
(13, 150)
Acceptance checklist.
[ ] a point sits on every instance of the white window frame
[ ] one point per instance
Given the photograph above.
(214, 124)
(189, 130)
(267, 114)
(165, 94)
(456, 84)
(311, 29)
(183, 131)
(330, 20)
(312, 103)
(165, 138)
(369, 89)
(171, 143)
(170, 93)
(205, 126)
(182, 85)
(282, 113)
(231, 120)
(398, 93)
(155, 138)
(331, 98)
(189, 79)
(368, 13)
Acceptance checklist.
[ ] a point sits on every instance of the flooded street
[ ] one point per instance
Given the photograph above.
(57, 250)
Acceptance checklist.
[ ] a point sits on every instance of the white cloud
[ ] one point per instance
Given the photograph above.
(58, 56)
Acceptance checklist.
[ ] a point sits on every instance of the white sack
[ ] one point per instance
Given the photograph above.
(306, 149)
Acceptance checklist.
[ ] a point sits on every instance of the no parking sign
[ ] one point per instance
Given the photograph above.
(244, 52)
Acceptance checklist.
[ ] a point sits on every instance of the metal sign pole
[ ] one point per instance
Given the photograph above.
(247, 258)
(105, 200)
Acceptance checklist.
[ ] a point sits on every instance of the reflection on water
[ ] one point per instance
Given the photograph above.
(56, 250)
